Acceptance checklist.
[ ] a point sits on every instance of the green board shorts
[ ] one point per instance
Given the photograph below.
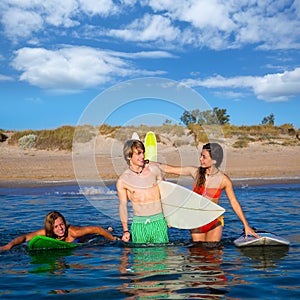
(149, 229)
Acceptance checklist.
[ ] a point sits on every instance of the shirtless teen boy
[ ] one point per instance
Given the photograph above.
(139, 184)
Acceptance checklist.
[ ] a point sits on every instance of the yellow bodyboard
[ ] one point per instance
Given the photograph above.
(150, 146)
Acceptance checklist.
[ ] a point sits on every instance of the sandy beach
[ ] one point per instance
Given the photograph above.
(256, 164)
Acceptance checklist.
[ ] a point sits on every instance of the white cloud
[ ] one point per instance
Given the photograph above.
(199, 13)
(147, 54)
(236, 96)
(5, 78)
(23, 18)
(19, 24)
(271, 88)
(98, 7)
(278, 87)
(71, 69)
(149, 28)
(59, 13)
(214, 24)
(231, 24)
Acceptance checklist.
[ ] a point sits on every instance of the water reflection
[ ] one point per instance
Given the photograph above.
(164, 272)
(53, 262)
(203, 274)
(266, 256)
(147, 268)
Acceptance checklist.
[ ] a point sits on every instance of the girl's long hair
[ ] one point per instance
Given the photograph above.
(216, 153)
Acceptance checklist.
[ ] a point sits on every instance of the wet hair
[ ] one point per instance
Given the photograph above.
(129, 147)
(216, 153)
(49, 223)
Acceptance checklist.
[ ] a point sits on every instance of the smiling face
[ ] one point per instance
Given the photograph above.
(59, 227)
(133, 152)
(212, 154)
(55, 225)
(137, 158)
(205, 159)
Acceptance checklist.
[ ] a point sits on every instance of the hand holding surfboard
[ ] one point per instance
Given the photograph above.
(182, 207)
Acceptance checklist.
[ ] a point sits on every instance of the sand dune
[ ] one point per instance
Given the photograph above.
(29, 166)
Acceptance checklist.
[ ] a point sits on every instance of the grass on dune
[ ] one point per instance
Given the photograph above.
(62, 138)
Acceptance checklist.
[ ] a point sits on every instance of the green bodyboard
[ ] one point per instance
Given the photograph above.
(150, 146)
(47, 243)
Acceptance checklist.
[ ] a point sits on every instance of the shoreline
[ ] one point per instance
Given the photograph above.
(237, 182)
(102, 162)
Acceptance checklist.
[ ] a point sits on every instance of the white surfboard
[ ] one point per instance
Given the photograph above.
(265, 239)
(185, 209)
(135, 136)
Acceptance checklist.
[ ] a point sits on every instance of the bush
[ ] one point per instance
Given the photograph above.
(108, 130)
(200, 135)
(27, 141)
(60, 138)
(241, 143)
(179, 143)
(84, 134)
(14, 139)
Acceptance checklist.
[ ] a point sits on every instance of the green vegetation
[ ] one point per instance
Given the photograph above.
(27, 141)
(109, 131)
(269, 120)
(199, 133)
(241, 142)
(54, 139)
(84, 134)
(62, 138)
(208, 117)
(124, 133)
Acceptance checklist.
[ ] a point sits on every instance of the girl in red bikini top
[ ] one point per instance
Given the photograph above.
(212, 193)
(209, 182)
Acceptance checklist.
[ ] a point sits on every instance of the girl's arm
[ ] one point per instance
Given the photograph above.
(178, 170)
(237, 207)
(21, 239)
(77, 232)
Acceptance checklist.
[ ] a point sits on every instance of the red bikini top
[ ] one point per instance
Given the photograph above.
(212, 193)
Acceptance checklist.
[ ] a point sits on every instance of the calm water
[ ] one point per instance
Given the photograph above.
(179, 270)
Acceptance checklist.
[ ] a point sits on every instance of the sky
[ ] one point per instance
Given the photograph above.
(59, 58)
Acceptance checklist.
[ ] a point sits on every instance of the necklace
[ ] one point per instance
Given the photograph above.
(139, 172)
(143, 167)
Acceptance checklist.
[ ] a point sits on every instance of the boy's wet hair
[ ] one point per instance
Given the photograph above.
(129, 147)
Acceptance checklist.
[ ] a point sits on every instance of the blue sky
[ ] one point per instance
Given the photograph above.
(57, 56)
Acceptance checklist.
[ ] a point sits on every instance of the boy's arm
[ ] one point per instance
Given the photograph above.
(123, 211)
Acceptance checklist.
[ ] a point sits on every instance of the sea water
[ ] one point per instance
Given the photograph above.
(178, 270)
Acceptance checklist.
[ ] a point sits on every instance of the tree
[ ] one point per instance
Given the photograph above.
(167, 122)
(207, 117)
(188, 118)
(221, 115)
(269, 120)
